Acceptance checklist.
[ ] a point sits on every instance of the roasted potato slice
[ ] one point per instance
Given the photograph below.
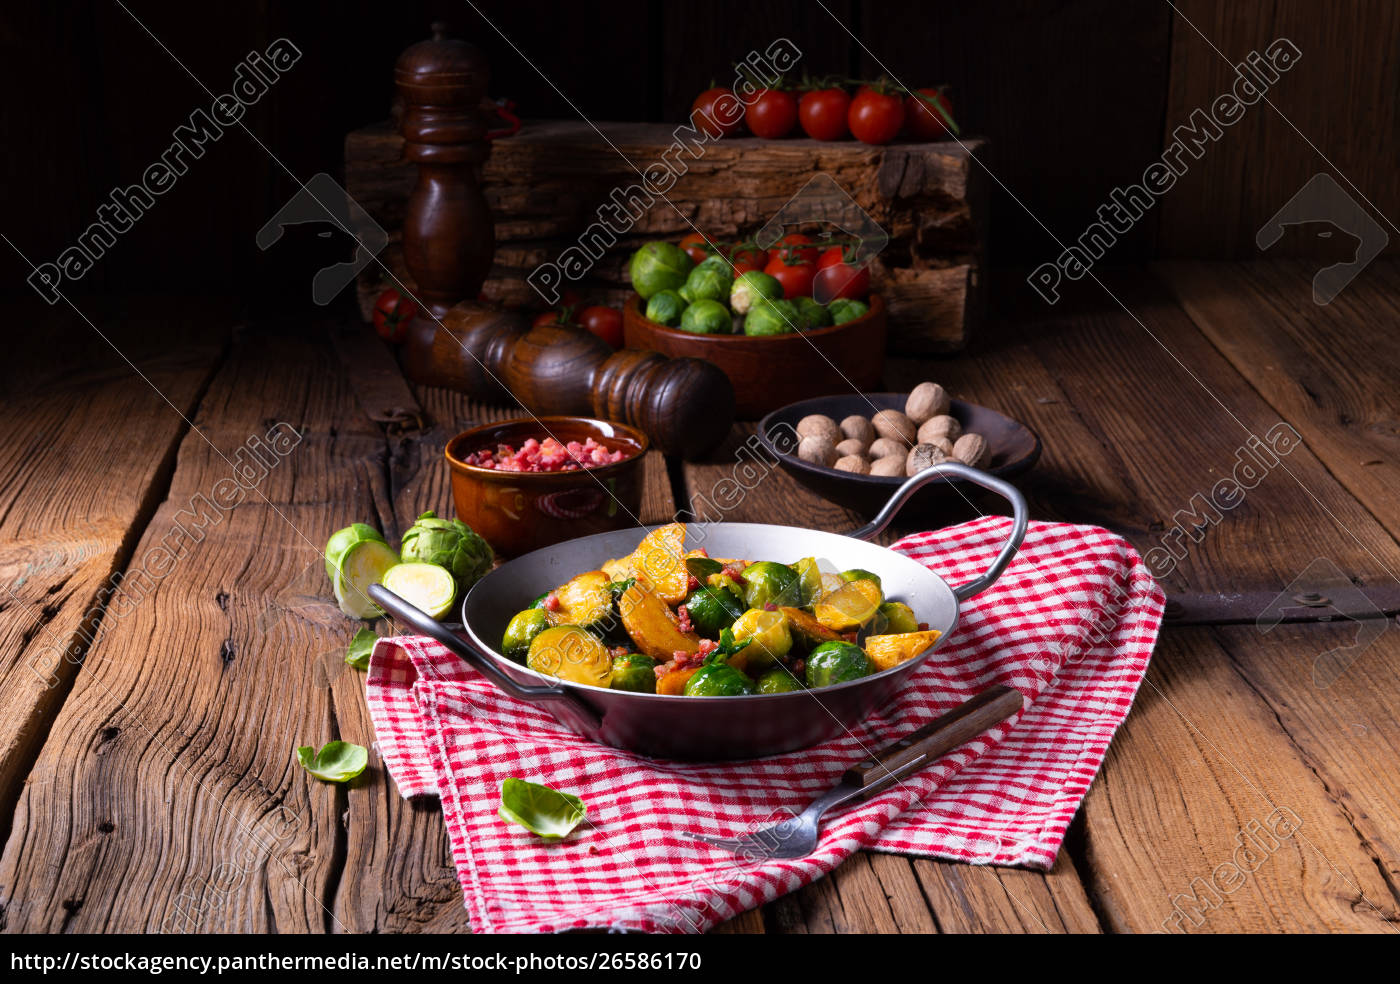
(891, 650)
(584, 600)
(649, 622)
(659, 560)
(673, 682)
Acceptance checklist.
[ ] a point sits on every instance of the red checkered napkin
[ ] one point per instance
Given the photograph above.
(1071, 624)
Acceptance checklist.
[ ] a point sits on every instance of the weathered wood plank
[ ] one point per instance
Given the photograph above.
(167, 794)
(63, 535)
(1207, 817)
(1330, 370)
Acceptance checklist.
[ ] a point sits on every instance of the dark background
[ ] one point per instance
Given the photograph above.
(1075, 96)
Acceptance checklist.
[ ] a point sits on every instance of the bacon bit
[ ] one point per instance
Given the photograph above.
(692, 583)
(736, 572)
(849, 636)
(798, 665)
(552, 602)
(707, 646)
(545, 456)
(923, 626)
(770, 606)
(683, 619)
(617, 652)
(701, 552)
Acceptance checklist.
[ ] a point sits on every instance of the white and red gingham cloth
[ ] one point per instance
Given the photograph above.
(1071, 624)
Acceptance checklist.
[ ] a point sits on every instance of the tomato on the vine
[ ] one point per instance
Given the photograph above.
(392, 313)
(876, 117)
(796, 277)
(788, 248)
(822, 113)
(748, 258)
(718, 112)
(840, 280)
(560, 316)
(694, 246)
(772, 114)
(922, 120)
(605, 322)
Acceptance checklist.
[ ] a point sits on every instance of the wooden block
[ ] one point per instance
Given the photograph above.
(545, 184)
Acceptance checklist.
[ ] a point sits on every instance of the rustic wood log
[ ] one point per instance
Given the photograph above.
(544, 187)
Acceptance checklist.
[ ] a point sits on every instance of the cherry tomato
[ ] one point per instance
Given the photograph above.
(875, 117)
(561, 316)
(836, 254)
(772, 114)
(392, 313)
(840, 280)
(922, 120)
(796, 278)
(822, 113)
(747, 259)
(786, 248)
(694, 246)
(720, 113)
(605, 322)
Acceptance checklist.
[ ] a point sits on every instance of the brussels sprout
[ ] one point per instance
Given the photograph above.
(896, 617)
(779, 680)
(358, 566)
(768, 635)
(814, 315)
(426, 586)
(772, 318)
(860, 574)
(718, 679)
(719, 263)
(712, 610)
(634, 672)
(836, 662)
(768, 583)
(521, 631)
(752, 288)
(568, 652)
(665, 308)
(705, 283)
(657, 267)
(845, 309)
(809, 576)
(701, 568)
(448, 543)
(343, 540)
(706, 318)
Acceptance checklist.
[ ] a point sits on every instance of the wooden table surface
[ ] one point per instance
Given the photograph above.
(148, 780)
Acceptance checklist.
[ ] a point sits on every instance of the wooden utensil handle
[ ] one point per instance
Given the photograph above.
(923, 747)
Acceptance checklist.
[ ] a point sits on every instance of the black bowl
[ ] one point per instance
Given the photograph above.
(1013, 448)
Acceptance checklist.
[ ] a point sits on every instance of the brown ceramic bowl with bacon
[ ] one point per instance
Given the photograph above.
(521, 511)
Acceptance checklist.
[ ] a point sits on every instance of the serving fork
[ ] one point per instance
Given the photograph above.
(796, 836)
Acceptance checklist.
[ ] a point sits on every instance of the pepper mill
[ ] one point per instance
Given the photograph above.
(449, 239)
(685, 406)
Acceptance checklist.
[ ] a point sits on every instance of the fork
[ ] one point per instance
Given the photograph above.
(796, 836)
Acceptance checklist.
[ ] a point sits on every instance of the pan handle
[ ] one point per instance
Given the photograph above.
(953, 469)
(424, 624)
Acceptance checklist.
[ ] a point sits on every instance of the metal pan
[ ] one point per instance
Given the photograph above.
(711, 728)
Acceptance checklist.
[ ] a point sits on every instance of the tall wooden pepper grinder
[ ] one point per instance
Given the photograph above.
(686, 406)
(449, 239)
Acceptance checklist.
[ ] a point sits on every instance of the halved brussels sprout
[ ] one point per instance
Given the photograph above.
(860, 574)
(885, 651)
(768, 636)
(849, 607)
(570, 653)
(836, 662)
(809, 577)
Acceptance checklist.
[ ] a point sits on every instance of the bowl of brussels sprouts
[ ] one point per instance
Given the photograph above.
(729, 641)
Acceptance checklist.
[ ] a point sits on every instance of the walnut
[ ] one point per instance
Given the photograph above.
(927, 400)
(941, 427)
(923, 456)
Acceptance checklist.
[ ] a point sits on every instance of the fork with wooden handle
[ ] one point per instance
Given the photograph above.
(797, 836)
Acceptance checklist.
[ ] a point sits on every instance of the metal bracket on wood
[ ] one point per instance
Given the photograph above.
(1322, 602)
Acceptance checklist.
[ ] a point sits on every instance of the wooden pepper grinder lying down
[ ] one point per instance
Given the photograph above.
(685, 406)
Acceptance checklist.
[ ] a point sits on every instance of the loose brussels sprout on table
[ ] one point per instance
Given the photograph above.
(711, 627)
(449, 543)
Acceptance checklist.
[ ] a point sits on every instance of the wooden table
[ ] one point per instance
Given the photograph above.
(150, 781)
